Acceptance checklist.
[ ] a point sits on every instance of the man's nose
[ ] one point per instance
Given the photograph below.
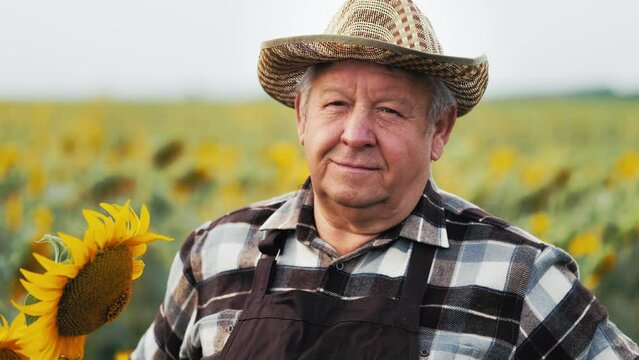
(358, 128)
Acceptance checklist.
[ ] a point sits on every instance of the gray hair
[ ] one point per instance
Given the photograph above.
(442, 99)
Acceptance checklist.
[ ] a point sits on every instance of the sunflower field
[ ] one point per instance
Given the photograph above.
(564, 169)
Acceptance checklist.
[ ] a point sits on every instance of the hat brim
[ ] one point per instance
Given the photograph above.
(282, 64)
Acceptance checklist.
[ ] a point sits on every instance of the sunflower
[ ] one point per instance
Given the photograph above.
(13, 342)
(90, 288)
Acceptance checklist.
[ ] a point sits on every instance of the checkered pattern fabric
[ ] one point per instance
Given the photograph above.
(494, 291)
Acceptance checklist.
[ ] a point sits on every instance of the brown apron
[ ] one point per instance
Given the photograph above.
(303, 325)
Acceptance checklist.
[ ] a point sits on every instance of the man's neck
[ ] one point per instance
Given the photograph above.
(347, 229)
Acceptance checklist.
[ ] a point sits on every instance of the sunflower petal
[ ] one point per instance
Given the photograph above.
(110, 209)
(95, 236)
(40, 293)
(18, 322)
(92, 215)
(51, 351)
(96, 225)
(134, 223)
(78, 249)
(68, 270)
(109, 228)
(40, 334)
(72, 347)
(137, 250)
(146, 238)
(116, 221)
(101, 242)
(46, 281)
(89, 238)
(138, 269)
(145, 220)
(37, 309)
(122, 221)
(45, 323)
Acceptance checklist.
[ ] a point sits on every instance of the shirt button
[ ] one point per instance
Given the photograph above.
(339, 266)
(424, 352)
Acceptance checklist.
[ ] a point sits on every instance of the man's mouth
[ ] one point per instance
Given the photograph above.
(353, 166)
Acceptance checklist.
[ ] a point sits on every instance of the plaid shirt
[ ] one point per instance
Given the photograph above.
(494, 290)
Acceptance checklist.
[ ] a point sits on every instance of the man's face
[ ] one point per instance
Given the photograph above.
(366, 135)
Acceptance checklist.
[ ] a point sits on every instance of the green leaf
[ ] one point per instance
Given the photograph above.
(30, 300)
(61, 253)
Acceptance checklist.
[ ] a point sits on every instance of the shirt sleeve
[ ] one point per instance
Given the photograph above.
(562, 319)
(165, 338)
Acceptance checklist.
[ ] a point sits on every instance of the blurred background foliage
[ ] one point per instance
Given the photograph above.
(565, 169)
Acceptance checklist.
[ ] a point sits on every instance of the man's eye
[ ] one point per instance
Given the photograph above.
(337, 103)
(390, 111)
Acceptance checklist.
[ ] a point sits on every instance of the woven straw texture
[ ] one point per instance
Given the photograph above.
(393, 33)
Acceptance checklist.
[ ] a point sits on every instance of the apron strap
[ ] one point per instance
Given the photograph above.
(273, 243)
(271, 247)
(414, 285)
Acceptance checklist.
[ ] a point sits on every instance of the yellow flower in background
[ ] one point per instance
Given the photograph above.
(219, 160)
(81, 141)
(231, 195)
(9, 156)
(446, 176)
(534, 174)
(283, 155)
(585, 243)
(68, 144)
(205, 154)
(42, 220)
(591, 281)
(627, 166)
(13, 342)
(300, 172)
(14, 209)
(122, 355)
(90, 288)
(605, 266)
(291, 167)
(125, 150)
(93, 134)
(37, 180)
(502, 159)
(539, 223)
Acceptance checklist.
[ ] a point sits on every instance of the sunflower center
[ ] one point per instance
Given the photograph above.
(97, 295)
(8, 354)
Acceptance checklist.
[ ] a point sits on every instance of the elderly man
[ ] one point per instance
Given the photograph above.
(369, 260)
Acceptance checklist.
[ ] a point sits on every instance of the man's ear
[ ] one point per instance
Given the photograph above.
(441, 133)
(300, 118)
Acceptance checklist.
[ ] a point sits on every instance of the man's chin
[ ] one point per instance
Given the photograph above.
(358, 193)
(357, 199)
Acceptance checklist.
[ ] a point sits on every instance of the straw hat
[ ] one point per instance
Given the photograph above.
(387, 32)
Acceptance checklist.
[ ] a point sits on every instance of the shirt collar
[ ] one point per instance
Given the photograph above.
(288, 215)
(425, 224)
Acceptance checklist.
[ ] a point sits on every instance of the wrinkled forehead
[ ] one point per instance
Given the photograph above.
(374, 67)
(348, 74)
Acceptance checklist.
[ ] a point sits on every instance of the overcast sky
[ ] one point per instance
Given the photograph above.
(145, 49)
